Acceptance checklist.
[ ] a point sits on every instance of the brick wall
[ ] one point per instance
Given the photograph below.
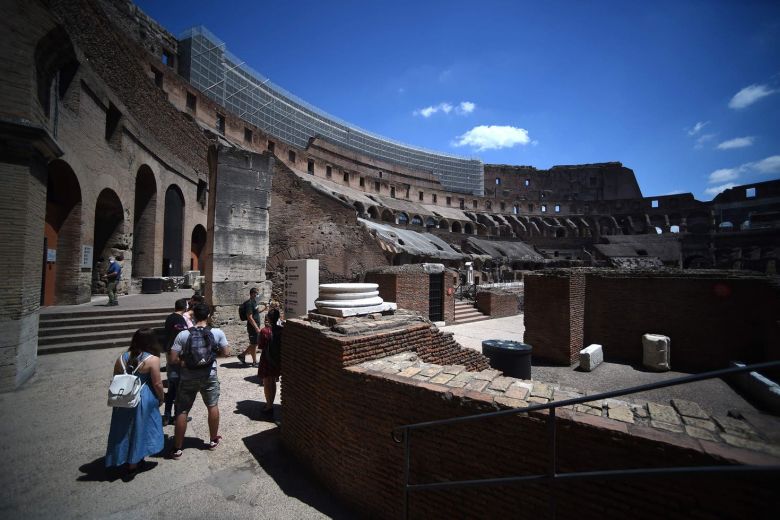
(338, 422)
(497, 304)
(712, 317)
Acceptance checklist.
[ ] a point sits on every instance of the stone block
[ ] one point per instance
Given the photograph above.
(542, 390)
(656, 352)
(517, 391)
(663, 413)
(591, 357)
(442, 379)
(621, 413)
(689, 409)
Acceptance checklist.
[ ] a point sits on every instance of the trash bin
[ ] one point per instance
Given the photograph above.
(152, 285)
(510, 357)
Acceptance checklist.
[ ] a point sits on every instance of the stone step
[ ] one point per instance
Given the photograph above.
(102, 320)
(468, 313)
(481, 317)
(121, 334)
(105, 326)
(116, 311)
(84, 345)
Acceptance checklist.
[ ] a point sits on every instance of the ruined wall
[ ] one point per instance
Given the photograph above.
(338, 422)
(307, 223)
(497, 304)
(409, 287)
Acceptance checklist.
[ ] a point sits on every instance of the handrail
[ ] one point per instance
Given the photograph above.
(402, 434)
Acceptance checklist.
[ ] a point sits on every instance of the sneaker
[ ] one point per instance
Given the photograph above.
(176, 454)
(215, 442)
(242, 359)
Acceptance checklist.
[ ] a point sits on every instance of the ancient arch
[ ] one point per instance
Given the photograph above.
(361, 210)
(62, 235)
(173, 232)
(387, 216)
(417, 220)
(443, 224)
(402, 218)
(430, 222)
(197, 244)
(144, 222)
(468, 228)
(110, 237)
(456, 227)
(373, 213)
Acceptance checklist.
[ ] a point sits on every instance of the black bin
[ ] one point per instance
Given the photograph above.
(152, 285)
(510, 357)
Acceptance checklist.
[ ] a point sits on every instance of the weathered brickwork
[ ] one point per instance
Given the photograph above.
(712, 317)
(338, 422)
(496, 303)
(409, 287)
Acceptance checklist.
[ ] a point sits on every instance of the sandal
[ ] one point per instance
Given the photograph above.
(176, 454)
(215, 442)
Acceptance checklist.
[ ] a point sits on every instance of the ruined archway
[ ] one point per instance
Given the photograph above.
(387, 216)
(62, 237)
(468, 228)
(361, 210)
(144, 222)
(373, 213)
(456, 227)
(443, 224)
(197, 244)
(110, 238)
(430, 222)
(403, 218)
(417, 220)
(173, 232)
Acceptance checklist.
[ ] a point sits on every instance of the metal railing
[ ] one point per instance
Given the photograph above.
(402, 434)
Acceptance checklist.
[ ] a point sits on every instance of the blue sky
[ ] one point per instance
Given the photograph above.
(687, 94)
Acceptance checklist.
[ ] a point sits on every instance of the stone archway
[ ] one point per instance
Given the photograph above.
(173, 234)
(110, 237)
(197, 244)
(62, 237)
(144, 222)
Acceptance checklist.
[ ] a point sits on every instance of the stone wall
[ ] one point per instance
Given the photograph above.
(341, 405)
(409, 287)
(712, 317)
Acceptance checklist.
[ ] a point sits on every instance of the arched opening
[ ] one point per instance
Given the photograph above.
(373, 213)
(361, 210)
(61, 237)
(658, 231)
(456, 227)
(173, 234)
(196, 248)
(417, 220)
(144, 222)
(469, 228)
(430, 222)
(403, 218)
(109, 236)
(443, 224)
(387, 216)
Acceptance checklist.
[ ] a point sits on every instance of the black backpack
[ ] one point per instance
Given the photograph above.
(242, 311)
(200, 351)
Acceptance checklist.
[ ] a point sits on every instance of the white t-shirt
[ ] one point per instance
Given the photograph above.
(181, 341)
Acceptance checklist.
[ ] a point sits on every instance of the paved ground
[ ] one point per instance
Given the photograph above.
(131, 301)
(713, 395)
(54, 433)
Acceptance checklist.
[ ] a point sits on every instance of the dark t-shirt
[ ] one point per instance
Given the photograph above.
(252, 308)
(174, 324)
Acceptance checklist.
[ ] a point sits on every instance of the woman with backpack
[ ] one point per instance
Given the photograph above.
(270, 358)
(136, 432)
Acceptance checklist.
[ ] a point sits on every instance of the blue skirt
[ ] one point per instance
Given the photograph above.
(135, 432)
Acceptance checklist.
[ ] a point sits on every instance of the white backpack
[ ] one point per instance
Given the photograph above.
(125, 389)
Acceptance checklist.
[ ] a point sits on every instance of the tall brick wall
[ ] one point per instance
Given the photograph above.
(338, 422)
(712, 317)
(553, 315)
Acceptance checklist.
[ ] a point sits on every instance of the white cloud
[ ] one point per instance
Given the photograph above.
(703, 139)
(463, 108)
(714, 190)
(493, 137)
(737, 142)
(749, 95)
(723, 175)
(768, 165)
(698, 127)
(466, 107)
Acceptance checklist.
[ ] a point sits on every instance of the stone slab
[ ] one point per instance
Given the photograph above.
(621, 413)
(689, 409)
(357, 311)
(591, 357)
(517, 391)
(663, 413)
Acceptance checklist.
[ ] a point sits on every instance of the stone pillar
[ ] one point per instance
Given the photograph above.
(237, 241)
(23, 156)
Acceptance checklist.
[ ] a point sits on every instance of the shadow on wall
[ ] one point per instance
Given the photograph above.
(292, 477)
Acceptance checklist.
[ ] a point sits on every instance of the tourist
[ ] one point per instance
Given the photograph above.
(270, 357)
(193, 381)
(252, 312)
(195, 299)
(174, 324)
(113, 277)
(136, 433)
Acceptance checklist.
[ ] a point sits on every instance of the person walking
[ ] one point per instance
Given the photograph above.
(195, 299)
(196, 350)
(136, 433)
(113, 277)
(252, 311)
(174, 324)
(270, 358)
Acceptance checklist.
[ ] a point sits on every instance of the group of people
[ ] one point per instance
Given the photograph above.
(137, 432)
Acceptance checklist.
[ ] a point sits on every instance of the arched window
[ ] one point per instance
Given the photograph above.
(403, 218)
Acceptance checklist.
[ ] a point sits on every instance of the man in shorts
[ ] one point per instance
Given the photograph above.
(194, 382)
(252, 310)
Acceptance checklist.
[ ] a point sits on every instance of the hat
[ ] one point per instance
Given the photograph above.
(111, 259)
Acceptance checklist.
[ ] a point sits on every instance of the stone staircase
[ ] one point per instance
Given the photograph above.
(70, 331)
(466, 312)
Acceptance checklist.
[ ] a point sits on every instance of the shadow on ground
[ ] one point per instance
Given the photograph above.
(254, 410)
(291, 476)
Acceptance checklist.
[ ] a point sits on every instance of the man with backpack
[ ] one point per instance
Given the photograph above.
(196, 351)
(249, 311)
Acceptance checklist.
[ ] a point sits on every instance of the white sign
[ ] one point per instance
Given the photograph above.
(301, 286)
(51, 255)
(86, 257)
